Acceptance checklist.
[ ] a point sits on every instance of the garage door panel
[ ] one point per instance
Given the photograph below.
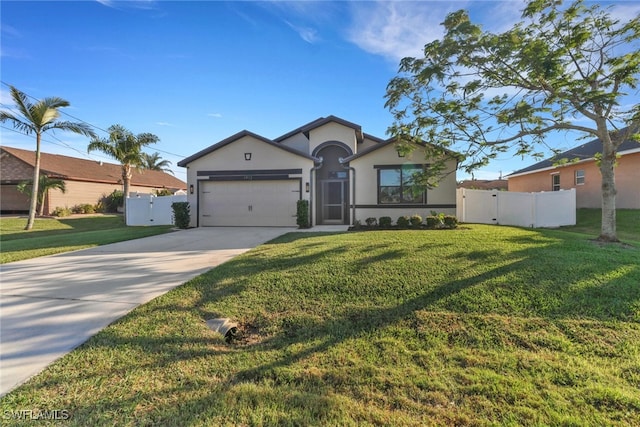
(249, 203)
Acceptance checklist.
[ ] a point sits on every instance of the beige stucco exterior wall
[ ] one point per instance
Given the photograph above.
(366, 187)
(366, 143)
(588, 195)
(231, 158)
(332, 132)
(80, 192)
(297, 142)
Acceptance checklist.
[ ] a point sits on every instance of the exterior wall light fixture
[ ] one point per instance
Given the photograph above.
(247, 156)
(191, 189)
(306, 187)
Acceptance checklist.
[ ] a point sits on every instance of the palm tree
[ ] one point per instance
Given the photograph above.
(125, 147)
(155, 163)
(44, 186)
(39, 118)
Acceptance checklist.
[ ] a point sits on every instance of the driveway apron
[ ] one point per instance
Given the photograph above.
(50, 305)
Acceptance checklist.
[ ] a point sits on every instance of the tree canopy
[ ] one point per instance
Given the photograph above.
(156, 163)
(38, 118)
(125, 147)
(562, 68)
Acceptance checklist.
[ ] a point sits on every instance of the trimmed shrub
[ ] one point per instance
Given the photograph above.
(181, 214)
(84, 208)
(384, 221)
(450, 221)
(403, 221)
(302, 214)
(60, 212)
(432, 222)
(371, 221)
(416, 220)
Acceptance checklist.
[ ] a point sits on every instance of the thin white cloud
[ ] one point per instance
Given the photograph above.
(308, 34)
(8, 30)
(164, 124)
(625, 11)
(215, 115)
(397, 29)
(131, 4)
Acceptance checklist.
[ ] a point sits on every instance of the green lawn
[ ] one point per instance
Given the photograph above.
(51, 236)
(628, 223)
(483, 325)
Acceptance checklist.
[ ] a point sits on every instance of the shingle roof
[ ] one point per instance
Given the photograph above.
(75, 169)
(585, 151)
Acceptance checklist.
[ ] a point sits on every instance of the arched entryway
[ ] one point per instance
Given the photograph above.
(332, 184)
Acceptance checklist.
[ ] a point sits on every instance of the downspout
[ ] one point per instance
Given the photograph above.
(318, 160)
(353, 190)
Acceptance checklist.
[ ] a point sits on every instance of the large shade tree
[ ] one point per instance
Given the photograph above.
(125, 147)
(564, 67)
(38, 118)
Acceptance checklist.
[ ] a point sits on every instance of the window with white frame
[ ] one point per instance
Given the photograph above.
(580, 177)
(555, 182)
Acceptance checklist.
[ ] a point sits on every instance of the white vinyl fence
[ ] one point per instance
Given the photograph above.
(146, 209)
(545, 209)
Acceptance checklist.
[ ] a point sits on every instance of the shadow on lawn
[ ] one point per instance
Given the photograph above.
(72, 225)
(587, 290)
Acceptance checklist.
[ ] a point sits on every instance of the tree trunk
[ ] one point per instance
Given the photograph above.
(41, 201)
(34, 187)
(126, 181)
(607, 163)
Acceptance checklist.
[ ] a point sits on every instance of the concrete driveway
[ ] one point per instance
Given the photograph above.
(50, 305)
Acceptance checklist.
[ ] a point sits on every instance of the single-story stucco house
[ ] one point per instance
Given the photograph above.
(86, 181)
(581, 172)
(345, 174)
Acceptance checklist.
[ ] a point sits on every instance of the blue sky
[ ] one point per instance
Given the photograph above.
(196, 72)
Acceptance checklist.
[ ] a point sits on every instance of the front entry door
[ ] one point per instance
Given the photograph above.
(333, 202)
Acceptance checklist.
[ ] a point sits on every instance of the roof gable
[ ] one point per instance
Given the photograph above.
(305, 129)
(75, 169)
(236, 137)
(391, 141)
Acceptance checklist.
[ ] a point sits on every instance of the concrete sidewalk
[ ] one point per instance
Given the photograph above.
(50, 305)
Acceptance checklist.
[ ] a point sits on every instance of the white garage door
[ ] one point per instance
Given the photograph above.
(249, 203)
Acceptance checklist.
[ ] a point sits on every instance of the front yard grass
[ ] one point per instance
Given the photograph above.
(478, 326)
(588, 221)
(55, 235)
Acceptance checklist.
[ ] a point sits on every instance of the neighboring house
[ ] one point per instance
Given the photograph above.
(86, 181)
(582, 173)
(345, 174)
(484, 184)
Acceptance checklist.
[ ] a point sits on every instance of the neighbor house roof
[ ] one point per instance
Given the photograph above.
(75, 169)
(484, 184)
(237, 136)
(583, 152)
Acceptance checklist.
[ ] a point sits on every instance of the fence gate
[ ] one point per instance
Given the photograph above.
(147, 209)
